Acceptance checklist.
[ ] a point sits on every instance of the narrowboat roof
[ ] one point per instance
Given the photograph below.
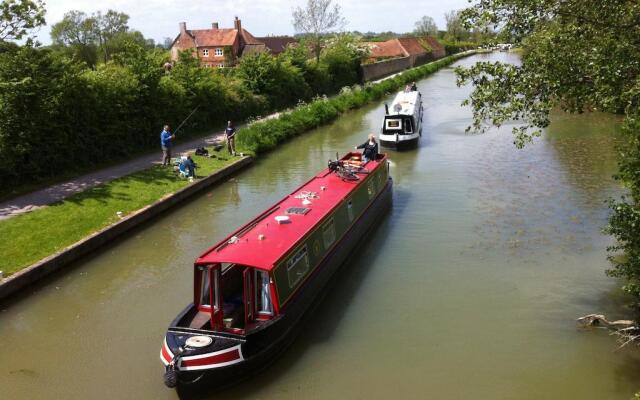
(263, 241)
(404, 103)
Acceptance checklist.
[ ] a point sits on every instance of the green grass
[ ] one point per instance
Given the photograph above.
(30, 237)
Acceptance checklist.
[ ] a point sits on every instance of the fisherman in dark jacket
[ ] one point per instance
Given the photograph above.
(370, 147)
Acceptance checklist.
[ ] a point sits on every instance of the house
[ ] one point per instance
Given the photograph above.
(419, 49)
(277, 44)
(216, 47)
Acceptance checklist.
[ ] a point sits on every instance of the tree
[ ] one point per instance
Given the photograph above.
(107, 26)
(77, 31)
(579, 55)
(455, 28)
(167, 42)
(91, 35)
(17, 17)
(426, 26)
(316, 20)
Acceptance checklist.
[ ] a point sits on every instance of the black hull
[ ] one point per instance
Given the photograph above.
(400, 145)
(261, 348)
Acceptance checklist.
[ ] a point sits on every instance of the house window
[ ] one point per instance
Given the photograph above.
(219, 51)
(297, 266)
(220, 65)
(205, 53)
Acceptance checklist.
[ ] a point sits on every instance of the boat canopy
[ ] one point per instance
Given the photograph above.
(273, 234)
(405, 103)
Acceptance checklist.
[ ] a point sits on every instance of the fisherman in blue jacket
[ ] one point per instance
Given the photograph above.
(166, 142)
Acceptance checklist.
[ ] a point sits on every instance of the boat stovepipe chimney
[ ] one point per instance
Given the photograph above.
(386, 108)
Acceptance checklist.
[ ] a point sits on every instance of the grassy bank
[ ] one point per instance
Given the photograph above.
(264, 136)
(31, 237)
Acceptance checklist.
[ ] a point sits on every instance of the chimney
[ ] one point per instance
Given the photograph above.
(183, 27)
(237, 24)
(215, 25)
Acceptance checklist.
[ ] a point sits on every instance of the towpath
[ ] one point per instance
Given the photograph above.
(48, 195)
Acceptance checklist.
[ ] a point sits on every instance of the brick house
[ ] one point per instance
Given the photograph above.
(419, 49)
(216, 47)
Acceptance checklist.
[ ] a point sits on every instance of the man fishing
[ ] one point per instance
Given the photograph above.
(230, 133)
(166, 142)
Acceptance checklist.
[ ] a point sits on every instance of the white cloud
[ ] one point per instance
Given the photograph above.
(158, 19)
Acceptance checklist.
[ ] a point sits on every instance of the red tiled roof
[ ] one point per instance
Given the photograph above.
(214, 37)
(277, 44)
(412, 46)
(390, 48)
(249, 38)
(220, 37)
(433, 42)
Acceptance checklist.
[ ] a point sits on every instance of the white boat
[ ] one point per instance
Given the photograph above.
(402, 125)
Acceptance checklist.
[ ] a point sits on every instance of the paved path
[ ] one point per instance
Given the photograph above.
(43, 197)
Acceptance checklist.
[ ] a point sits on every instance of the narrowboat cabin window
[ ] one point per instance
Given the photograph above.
(329, 234)
(407, 126)
(371, 190)
(350, 210)
(263, 293)
(393, 124)
(205, 287)
(297, 266)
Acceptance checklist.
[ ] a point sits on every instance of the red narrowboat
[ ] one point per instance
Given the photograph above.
(252, 289)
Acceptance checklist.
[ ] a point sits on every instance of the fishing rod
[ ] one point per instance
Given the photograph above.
(186, 119)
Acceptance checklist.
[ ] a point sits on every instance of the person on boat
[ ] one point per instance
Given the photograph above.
(230, 133)
(414, 87)
(370, 148)
(407, 88)
(166, 142)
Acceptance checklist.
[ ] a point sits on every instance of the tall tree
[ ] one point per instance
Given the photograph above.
(455, 25)
(316, 20)
(426, 26)
(17, 17)
(77, 32)
(88, 34)
(107, 27)
(580, 55)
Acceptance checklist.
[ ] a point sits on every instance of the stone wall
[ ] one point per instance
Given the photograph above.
(384, 68)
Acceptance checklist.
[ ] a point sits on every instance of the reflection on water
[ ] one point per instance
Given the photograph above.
(475, 277)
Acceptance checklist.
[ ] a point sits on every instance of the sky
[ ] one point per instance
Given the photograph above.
(158, 19)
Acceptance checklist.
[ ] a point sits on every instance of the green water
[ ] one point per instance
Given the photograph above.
(468, 290)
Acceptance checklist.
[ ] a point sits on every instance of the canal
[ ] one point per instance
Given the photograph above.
(468, 289)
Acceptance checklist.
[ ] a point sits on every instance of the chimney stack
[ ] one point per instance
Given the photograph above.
(237, 24)
(215, 25)
(183, 27)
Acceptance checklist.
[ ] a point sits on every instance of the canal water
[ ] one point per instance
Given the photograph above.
(468, 289)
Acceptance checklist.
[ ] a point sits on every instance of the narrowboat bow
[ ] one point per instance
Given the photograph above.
(252, 289)
(402, 126)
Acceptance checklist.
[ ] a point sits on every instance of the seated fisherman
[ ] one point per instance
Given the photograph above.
(188, 163)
